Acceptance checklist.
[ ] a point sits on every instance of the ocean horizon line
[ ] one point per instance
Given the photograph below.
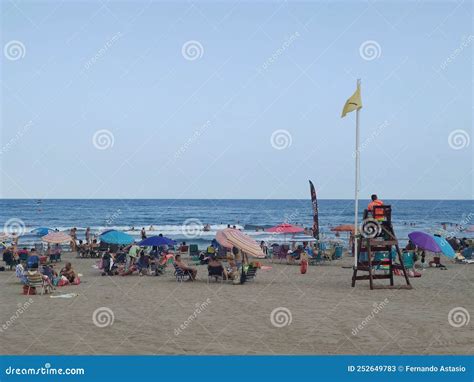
(237, 199)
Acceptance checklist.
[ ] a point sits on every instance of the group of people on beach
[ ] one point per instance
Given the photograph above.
(132, 259)
(35, 267)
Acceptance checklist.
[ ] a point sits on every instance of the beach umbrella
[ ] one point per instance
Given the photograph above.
(57, 238)
(222, 240)
(285, 228)
(343, 228)
(156, 241)
(235, 238)
(431, 243)
(116, 237)
(445, 247)
(107, 231)
(42, 231)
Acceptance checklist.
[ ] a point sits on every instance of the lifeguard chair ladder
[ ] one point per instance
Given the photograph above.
(378, 236)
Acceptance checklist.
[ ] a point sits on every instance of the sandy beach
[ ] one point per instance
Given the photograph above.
(315, 313)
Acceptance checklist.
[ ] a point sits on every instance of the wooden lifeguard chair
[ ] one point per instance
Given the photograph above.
(377, 235)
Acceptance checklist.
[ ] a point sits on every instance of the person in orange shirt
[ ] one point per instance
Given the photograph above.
(378, 213)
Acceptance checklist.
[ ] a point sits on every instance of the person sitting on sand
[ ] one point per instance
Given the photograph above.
(215, 267)
(292, 257)
(143, 263)
(237, 256)
(68, 272)
(192, 272)
(232, 270)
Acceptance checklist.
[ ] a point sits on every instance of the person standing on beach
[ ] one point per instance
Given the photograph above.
(378, 213)
(143, 233)
(73, 235)
(88, 235)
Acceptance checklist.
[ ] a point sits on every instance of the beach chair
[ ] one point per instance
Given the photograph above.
(408, 260)
(36, 282)
(216, 273)
(315, 259)
(248, 273)
(467, 252)
(193, 250)
(179, 273)
(9, 260)
(55, 257)
(338, 250)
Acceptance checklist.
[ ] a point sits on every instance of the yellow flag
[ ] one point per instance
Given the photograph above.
(353, 103)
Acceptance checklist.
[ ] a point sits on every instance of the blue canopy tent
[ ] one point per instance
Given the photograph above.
(116, 237)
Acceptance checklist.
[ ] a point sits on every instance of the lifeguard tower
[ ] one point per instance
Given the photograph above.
(377, 250)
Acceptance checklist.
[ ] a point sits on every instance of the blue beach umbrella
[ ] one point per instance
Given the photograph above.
(445, 247)
(42, 231)
(156, 241)
(116, 237)
(107, 231)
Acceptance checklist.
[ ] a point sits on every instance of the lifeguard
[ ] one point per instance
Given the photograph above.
(378, 212)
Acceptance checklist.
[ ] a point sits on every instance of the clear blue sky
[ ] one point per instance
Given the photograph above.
(187, 126)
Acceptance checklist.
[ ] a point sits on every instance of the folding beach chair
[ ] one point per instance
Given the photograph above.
(467, 253)
(193, 250)
(36, 281)
(337, 253)
(248, 273)
(184, 249)
(216, 273)
(179, 273)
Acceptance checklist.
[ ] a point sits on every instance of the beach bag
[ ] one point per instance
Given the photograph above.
(303, 266)
(63, 281)
(237, 279)
(76, 281)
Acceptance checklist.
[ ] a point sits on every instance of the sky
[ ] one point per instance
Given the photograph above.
(142, 99)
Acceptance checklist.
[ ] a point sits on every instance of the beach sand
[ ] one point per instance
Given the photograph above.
(157, 315)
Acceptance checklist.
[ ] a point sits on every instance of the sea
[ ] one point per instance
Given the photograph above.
(185, 220)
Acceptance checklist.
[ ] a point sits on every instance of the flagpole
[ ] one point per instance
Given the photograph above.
(356, 196)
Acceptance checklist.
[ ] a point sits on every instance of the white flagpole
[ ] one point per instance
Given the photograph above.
(356, 197)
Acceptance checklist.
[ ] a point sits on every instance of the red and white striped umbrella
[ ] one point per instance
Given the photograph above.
(230, 237)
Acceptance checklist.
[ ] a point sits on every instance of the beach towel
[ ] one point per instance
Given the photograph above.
(66, 295)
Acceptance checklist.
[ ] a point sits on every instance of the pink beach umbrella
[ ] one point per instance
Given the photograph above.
(230, 237)
(57, 238)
